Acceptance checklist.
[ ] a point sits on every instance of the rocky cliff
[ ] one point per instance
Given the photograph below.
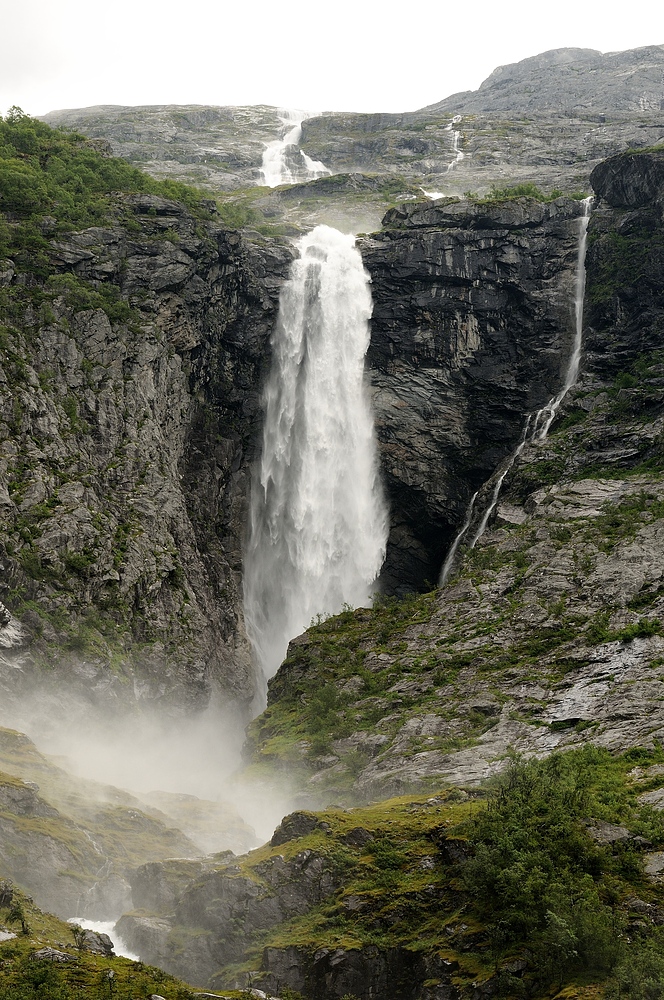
(472, 328)
(547, 120)
(548, 638)
(133, 355)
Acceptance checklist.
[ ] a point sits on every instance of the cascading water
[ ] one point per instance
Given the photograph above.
(458, 156)
(545, 417)
(458, 153)
(281, 163)
(537, 425)
(318, 525)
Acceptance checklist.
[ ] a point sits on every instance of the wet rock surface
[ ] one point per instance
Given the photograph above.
(139, 426)
(471, 330)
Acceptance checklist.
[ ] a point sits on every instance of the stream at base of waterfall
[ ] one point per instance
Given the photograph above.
(318, 521)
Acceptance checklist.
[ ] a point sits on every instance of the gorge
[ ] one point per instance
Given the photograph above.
(156, 360)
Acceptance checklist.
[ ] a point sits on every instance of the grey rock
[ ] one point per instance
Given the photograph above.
(655, 864)
(358, 837)
(297, 824)
(52, 955)
(96, 943)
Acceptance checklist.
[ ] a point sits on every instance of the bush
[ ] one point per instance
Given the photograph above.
(536, 875)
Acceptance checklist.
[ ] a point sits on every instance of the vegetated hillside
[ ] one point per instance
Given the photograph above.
(133, 331)
(541, 883)
(41, 956)
(547, 120)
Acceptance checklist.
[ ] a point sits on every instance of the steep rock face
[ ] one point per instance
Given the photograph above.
(551, 631)
(471, 329)
(227, 903)
(129, 402)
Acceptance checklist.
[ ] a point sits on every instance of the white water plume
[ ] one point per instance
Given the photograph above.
(450, 558)
(318, 524)
(280, 158)
(106, 927)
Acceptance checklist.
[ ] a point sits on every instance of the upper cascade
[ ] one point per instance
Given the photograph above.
(283, 162)
(318, 526)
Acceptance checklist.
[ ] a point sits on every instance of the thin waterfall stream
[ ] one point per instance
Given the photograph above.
(318, 521)
(537, 425)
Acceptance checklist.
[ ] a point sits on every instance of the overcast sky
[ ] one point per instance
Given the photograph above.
(355, 55)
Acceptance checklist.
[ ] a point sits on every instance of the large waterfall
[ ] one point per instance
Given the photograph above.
(318, 520)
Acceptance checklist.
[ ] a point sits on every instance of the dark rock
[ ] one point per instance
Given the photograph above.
(631, 180)
(608, 833)
(471, 330)
(6, 893)
(358, 837)
(297, 824)
(453, 850)
(98, 944)
(370, 971)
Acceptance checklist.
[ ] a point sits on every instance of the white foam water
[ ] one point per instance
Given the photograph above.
(318, 521)
(545, 417)
(282, 162)
(106, 927)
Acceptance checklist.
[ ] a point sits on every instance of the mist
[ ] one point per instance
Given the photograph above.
(146, 749)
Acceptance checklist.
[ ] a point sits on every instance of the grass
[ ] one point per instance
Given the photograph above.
(23, 977)
(509, 872)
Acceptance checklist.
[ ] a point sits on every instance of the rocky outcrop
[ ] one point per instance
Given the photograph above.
(471, 329)
(569, 80)
(129, 405)
(331, 973)
(551, 631)
(218, 911)
(631, 181)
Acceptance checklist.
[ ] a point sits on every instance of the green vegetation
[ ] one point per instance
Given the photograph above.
(512, 192)
(537, 876)
(308, 703)
(26, 977)
(53, 182)
(516, 875)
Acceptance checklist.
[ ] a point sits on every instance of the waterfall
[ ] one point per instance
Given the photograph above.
(540, 421)
(545, 417)
(458, 153)
(318, 522)
(280, 165)
(450, 558)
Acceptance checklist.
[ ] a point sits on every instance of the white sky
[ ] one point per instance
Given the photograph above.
(338, 55)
